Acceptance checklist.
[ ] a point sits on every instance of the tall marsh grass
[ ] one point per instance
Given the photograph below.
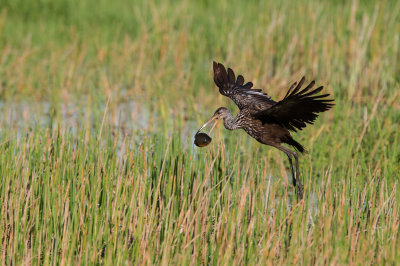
(99, 105)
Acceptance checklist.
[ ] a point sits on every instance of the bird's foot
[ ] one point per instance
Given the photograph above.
(299, 190)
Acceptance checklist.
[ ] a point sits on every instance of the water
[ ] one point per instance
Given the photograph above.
(23, 116)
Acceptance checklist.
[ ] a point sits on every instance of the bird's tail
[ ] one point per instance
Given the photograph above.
(289, 140)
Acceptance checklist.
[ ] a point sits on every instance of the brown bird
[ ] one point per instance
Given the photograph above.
(267, 121)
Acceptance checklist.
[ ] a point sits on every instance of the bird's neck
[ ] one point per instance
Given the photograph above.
(230, 122)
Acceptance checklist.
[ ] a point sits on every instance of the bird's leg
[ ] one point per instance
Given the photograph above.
(292, 171)
(299, 185)
(296, 178)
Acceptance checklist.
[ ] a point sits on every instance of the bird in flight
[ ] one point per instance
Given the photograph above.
(266, 120)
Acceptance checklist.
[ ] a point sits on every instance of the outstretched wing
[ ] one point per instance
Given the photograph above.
(297, 108)
(242, 95)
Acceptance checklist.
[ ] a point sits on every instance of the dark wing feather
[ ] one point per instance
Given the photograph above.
(242, 95)
(297, 108)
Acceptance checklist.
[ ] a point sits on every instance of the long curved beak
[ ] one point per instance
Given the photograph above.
(208, 122)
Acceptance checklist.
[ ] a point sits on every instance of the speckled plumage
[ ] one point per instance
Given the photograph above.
(267, 134)
(267, 121)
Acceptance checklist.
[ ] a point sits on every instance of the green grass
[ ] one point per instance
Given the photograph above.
(100, 102)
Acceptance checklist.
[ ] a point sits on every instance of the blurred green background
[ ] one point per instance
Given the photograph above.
(100, 101)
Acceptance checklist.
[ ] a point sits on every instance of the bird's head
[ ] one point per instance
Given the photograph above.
(220, 113)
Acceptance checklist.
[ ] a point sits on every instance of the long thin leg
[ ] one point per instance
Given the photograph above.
(296, 178)
(291, 169)
(299, 185)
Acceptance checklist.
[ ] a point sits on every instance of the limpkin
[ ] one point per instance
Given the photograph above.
(266, 120)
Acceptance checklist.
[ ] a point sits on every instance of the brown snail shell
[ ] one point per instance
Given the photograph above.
(202, 139)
